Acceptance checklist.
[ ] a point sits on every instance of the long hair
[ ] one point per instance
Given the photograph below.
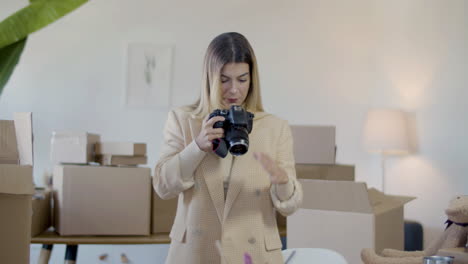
(226, 48)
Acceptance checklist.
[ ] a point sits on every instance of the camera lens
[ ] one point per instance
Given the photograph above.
(238, 139)
(239, 147)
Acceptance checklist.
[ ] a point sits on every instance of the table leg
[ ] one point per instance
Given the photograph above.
(44, 256)
(70, 254)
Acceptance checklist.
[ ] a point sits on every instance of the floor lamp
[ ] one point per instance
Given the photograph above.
(385, 132)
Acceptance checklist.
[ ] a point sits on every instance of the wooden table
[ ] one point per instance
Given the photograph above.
(50, 237)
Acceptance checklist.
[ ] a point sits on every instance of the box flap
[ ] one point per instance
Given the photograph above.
(24, 136)
(16, 179)
(8, 144)
(382, 202)
(335, 196)
(332, 172)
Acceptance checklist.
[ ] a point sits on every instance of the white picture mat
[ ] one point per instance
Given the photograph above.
(148, 75)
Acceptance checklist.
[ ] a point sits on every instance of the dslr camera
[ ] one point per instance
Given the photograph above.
(237, 127)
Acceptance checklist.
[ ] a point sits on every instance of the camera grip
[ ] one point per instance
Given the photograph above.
(220, 147)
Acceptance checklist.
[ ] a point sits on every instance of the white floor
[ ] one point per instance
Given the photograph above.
(89, 254)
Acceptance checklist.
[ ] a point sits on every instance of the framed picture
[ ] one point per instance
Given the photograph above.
(148, 75)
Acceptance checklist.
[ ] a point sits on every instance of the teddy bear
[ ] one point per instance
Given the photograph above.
(455, 235)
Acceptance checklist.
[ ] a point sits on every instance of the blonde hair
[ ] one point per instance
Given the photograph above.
(226, 48)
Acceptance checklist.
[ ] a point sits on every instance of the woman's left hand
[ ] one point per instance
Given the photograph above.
(277, 174)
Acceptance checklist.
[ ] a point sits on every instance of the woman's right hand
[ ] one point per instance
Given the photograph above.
(208, 133)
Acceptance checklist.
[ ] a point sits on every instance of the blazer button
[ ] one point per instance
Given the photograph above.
(258, 192)
(252, 240)
(197, 232)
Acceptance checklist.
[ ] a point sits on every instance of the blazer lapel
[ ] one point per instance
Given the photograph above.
(235, 185)
(212, 168)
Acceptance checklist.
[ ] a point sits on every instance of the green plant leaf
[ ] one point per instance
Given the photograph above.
(10, 56)
(38, 14)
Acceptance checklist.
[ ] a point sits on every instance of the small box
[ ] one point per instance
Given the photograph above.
(460, 254)
(121, 148)
(98, 200)
(73, 147)
(113, 160)
(346, 217)
(41, 211)
(8, 144)
(314, 144)
(16, 190)
(163, 214)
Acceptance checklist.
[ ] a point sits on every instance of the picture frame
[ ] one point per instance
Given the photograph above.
(149, 72)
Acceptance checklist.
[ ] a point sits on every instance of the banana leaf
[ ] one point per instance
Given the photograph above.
(36, 15)
(9, 57)
(15, 29)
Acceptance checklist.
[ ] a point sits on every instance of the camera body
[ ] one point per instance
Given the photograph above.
(237, 126)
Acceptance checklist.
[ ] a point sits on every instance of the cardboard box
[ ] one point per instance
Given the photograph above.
(73, 147)
(16, 190)
(346, 217)
(41, 211)
(8, 145)
(334, 172)
(163, 214)
(314, 144)
(112, 160)
(460, 254)
(121, 148)
(97, 200)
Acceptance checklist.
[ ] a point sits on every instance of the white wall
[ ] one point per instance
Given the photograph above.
(321, 62)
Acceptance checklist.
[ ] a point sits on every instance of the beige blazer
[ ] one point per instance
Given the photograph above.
(243, 223)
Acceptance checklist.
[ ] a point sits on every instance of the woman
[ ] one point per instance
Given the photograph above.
(227, 206)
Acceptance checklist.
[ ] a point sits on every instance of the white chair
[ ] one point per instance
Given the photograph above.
(312, 256)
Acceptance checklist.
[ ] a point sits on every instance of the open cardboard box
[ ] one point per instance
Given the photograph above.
(333, 172)
(346, 217)
(16, 189)
(8, 145)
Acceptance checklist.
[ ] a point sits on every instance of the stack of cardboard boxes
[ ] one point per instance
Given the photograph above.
(16, 190)
(337, 212)
(94, 199)
(114, 153)
(114, 197)
(314, 153)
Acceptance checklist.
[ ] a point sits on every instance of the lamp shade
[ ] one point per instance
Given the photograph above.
(385, 131)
